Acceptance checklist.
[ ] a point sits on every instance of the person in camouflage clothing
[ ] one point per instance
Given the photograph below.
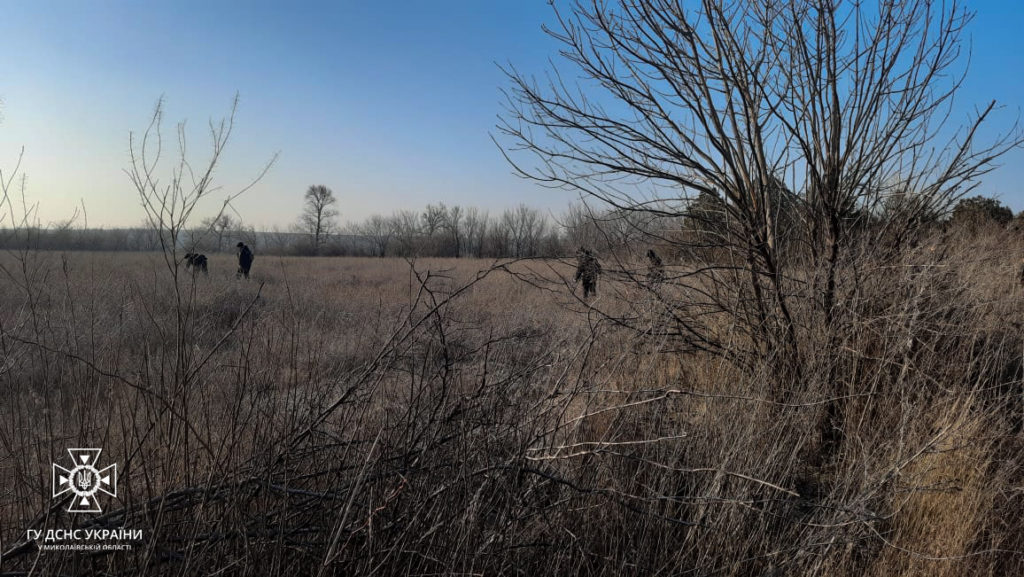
(587, 270)
(655, 268)
(197, 262)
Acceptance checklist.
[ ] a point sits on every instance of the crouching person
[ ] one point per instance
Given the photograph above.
(197, 263)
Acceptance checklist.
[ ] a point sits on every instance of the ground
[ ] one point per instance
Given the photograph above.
(462, 416)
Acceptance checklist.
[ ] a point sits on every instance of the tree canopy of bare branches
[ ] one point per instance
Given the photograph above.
(833, 106)
(318, 216)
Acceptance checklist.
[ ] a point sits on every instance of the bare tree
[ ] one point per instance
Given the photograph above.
(219, 226)
(475, 228)
(169, 203)
(433, 219)
(835, 104)
(406, 227)
(318, 217)
(580, 226)
(524, 227)
(379, 231)
(453, 225)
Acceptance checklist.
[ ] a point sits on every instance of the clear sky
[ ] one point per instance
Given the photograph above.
(389, 103)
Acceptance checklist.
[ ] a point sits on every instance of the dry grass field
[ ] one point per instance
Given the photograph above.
(378, 416)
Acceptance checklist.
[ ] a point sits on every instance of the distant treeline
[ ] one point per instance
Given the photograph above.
(455, 231)
(437, 231)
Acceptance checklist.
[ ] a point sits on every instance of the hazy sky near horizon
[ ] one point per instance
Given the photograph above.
(391, 104)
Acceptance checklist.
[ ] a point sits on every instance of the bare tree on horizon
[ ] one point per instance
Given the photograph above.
(318, 217)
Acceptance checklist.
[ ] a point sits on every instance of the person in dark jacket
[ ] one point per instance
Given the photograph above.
(587, 270)
(244, 260)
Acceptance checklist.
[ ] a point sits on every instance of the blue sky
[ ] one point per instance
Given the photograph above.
(389, 103)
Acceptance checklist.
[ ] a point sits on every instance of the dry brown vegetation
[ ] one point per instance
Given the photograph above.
(358, 416)
(826, 380)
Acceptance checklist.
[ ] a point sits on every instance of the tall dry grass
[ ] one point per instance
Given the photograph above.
(375, 416)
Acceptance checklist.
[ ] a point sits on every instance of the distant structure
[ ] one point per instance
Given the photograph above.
(655, 268)
(196, 262)
(587, 270)
(245, 259)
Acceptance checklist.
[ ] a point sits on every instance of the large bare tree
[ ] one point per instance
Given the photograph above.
(318, 217)
(832, 107)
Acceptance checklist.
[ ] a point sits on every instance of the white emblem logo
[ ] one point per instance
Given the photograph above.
(85, 480)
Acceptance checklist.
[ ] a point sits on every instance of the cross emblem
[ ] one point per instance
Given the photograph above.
(84, 480)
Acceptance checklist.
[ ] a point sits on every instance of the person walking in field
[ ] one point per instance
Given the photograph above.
(244, 260)
(655, 268)
(587, 269)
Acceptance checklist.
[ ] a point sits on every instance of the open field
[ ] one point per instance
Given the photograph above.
(358, 416)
